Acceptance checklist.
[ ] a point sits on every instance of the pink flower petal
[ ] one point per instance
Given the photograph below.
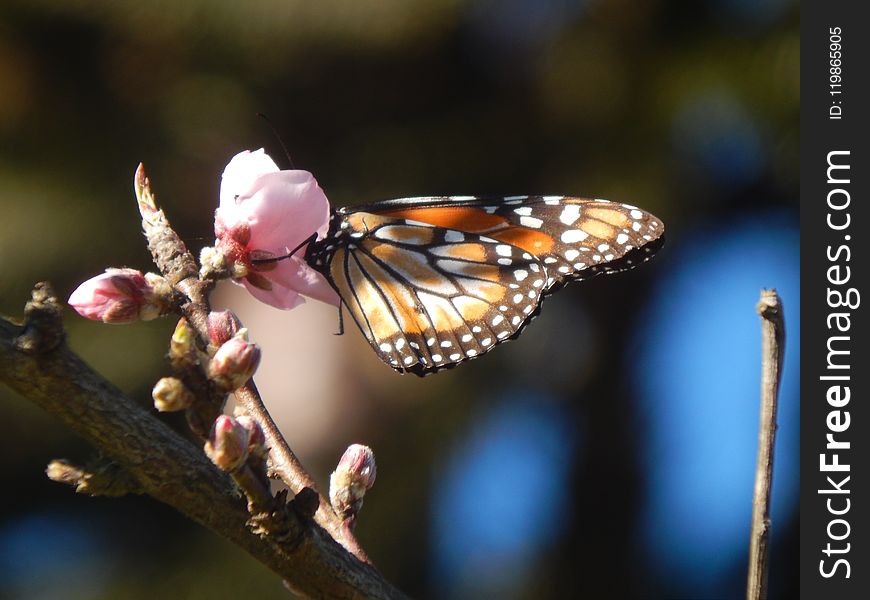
(276, 211)
(279, 296)
(241, 172)
(284, 209)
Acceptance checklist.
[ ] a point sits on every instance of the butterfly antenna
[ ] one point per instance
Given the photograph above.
(277, 137)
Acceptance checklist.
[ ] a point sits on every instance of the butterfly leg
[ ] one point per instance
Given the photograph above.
(340, 321)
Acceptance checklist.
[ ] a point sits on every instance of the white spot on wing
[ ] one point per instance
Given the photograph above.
(569, 236)
(570, 213)
(532, 222)
(523, 210)
(454, 236)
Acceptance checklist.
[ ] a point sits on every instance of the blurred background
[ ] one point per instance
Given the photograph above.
(609, 452)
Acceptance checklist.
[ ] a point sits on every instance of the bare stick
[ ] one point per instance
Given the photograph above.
(772, 352)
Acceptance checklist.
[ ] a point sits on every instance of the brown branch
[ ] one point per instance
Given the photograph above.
(284, 463)
(178, 266)
(36, 363)
(772, 353)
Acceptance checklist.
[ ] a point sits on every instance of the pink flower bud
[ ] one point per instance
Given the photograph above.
(352, 478)
(171, 395)
(116, 296)
(265, 212)
(256, 437)
(227, 445)
(222, 326)
(234, 363)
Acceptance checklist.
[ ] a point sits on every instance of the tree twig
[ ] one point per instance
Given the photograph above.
(35, 362)
(284, 464)
(178, 266)
(770, 309)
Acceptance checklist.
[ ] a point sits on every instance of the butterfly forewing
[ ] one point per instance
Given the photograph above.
(428, 297)
(575, 238)
(434, 281)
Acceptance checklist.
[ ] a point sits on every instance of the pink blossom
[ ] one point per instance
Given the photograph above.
(118, 296)
(266, 212)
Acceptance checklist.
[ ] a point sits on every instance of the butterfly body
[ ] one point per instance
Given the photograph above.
(435, 281)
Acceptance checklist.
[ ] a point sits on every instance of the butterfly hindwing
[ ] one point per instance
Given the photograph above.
(427, 297)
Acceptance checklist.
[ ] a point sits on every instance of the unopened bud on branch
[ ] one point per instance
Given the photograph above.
(222, 327)
(171, 395)
(234, 363)
(182, 346)
(122, 296)
(256, 437)
(353, 477)
(227, 445)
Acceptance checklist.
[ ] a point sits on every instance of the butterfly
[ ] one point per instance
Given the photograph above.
(436, 281)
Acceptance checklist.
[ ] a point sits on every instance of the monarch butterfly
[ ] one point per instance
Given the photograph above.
(435, 281)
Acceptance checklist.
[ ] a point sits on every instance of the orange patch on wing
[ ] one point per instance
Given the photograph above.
(418, 235)
(444, 315)
(460, 218)
(472, 309)
(597, 229)
(608, 215)
(399, 297)
(476, 252)
(363, 221)
(477, 270)
(363, 300)
(412, 266)
(530, 240)
(489, 292)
